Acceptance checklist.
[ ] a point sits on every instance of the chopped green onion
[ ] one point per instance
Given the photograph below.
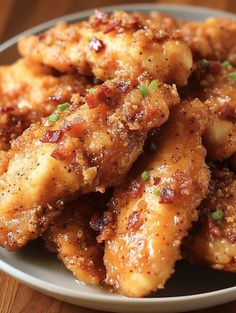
(232, 75)
(62, 107)
(53, 117)
(153, 84)
(89, 38)
(156, 192)
(144, 175)
(226, 64)
(92, 91)
(153, 147)
(143, 90)
(204, 63)
(217, 215)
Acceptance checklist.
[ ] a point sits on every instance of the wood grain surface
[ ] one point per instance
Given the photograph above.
(15, 17)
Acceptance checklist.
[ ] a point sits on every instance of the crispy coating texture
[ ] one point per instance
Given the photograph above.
(107, 46)
(91, 147)
(214, 38)
(28, 92)
(212, 84)
(71, 237)
(212, 242)
(149, 219)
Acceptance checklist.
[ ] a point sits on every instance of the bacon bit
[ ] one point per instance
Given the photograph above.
(156, 180)
(134, 24)
(134, 220)
(6, 110)
(74, 128)
(58, 154)
(167, 196)
(227, 112)
(100, 15)
(135, 189)
(96, 44)
(102, 95)
(52, 136)
(123, 86)
(82, 92)
(93, 100)
(41, 36)
(215, 67)
(112, 26)
(213, 229)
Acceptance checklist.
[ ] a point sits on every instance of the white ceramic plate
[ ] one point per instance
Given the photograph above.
(190, 287)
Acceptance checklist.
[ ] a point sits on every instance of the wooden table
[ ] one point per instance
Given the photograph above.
(16, 16)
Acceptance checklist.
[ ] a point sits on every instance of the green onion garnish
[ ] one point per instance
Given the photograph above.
(91, 90)
(226, 64)
(62, 107)
(143, 90)
(53, 117)
(156, 192)
(204, 63)
(217, 215)
(89, 38)
(232, 75)
(144, 175)
(153, 147)
(153, 84)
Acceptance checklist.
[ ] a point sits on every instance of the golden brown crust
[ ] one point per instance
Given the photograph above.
(30, 91)
(71, 237)
(212, 84)
(91, 147)
(148, 220)
(213, 39)
(212, 242)
(107, 46)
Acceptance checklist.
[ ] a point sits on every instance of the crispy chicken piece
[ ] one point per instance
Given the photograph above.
(152, 212)
(107, 46)
(28, 92)
(215, 38)
(91, 147)
(215, 85)
(213, 239)
(71, 237)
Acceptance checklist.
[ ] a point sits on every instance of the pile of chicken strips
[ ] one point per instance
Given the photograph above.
(118, 147)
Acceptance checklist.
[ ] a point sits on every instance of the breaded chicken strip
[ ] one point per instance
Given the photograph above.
(89, 147)
(213, 239)
(71, 237)
(28, 92)
(215, 38)
(152, 212)
(214, 83)
(107, 46)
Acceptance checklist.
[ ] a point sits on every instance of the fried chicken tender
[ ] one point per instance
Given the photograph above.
(214, 38)
(107, 46)
(28, 92)
(91, 147)
(71, 237)
(152, 212)
(213, 84)
(213, 239)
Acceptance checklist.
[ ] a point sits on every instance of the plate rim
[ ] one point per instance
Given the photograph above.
(46, 286)
(109, 298)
